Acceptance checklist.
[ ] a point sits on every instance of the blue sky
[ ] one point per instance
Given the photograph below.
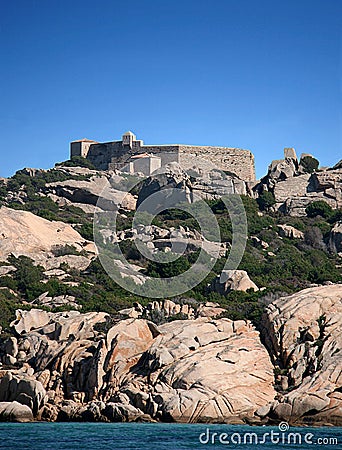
(261, 75)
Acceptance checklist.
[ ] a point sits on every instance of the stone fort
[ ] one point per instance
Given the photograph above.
(132, 155)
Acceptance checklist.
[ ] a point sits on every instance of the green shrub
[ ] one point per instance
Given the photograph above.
(77, 161)
(86, 231)
(63, 250)
(170, 269)
(28, 277)
(309, 164)
(336, 216)
(266, 200)
(319, 208)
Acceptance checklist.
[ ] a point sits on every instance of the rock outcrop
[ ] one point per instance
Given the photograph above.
(22, 388)
(294, 189)
(73, 366)
(303, 333)
(15, 412)
(172, 176)
(140, 371)
(85, 193)
(233, 280)
(290, 232)
(213, 370)
(23, 233)
(194, 183)
(158, 311)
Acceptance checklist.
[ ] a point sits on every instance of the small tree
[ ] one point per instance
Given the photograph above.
(266, 200)
(309, 164)
(319, 208)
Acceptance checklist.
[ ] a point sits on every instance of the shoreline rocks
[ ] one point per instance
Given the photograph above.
(82, 367)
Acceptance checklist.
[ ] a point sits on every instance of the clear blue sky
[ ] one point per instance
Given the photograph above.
(256, 74)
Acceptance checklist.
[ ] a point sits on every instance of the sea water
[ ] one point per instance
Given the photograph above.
(157, 436)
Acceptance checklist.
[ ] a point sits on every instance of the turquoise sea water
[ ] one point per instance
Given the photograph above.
(117, 436)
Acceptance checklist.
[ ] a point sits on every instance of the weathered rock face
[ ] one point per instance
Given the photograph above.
(290, 232)
(282, 169)
(233, 280)
(15, 412)
(303, 333)
(22, 388)
(209, 371)
(72, 366)
(295, 194)
(172, 176)
(183, 371)
(23, 233)
(195, 183)
(26, 321)
(89, 192)
(294, 190)
(58, 326)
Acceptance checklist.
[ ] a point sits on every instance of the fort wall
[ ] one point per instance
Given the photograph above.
(117, 154)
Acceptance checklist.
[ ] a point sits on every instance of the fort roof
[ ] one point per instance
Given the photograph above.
(86, 140)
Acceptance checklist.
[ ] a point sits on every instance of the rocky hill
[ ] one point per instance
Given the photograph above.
(259, 344)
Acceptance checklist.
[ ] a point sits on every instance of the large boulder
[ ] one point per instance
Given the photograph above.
(304, 335)
(22, 388)
(290, 232)
(27, 320)
(15, 412)
(23, 233)
(126, 341)
(89, 192)
(233, 280)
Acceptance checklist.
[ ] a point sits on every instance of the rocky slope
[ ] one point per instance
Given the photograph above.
(75, 346)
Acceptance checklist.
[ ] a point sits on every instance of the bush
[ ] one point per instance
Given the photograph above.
(266, 200)
(336, 216)
(28, 277)
(86, 231)
(170, 269)
(8, 304)
(319, 208)
(63, 250)
(309, 164)
(77, 161)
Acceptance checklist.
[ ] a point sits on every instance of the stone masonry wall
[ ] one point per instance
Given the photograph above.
(240, 162)
(115, 155)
